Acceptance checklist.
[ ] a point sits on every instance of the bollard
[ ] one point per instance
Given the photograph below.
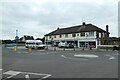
(27, 77)
(64, 49)
(98, 48)
(15, 48)
(83, 49)
(74, 48)
(54, 48)
(106, 48)
(29, 50)
(46, 48)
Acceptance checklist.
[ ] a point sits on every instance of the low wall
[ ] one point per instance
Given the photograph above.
(108, 47)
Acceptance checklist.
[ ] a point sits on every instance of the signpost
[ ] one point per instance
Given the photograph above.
(16, 39)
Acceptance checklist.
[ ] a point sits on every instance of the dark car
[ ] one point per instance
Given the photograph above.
(70, 45)
(116, 48)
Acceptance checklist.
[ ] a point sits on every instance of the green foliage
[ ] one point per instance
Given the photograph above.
(7, 41)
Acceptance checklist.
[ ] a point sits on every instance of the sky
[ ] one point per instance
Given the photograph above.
(39, 17)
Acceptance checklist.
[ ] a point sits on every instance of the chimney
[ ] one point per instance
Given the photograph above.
(107, 28)
(83, 23)
(58, 28)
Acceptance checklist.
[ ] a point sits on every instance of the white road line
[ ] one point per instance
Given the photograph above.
(14, 73)
(27, 77)
(63, 56)
(72, 58)
(46, 76)
(33, 73)
(0, 69)
(110, 57)
(86, 56)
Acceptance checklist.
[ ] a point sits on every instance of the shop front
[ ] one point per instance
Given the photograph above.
(87, 43)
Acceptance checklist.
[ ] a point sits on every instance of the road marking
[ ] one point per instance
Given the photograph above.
(0, 69)
(63, 56)
(46, 76)
(86, 56)
(72, 58)
(27, 77)
(110, 57)
(14, 73)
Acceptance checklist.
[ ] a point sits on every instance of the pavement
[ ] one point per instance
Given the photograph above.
(47, 64)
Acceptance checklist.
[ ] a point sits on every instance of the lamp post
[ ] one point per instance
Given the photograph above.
(74, 41)
(47, 43)
(54, 45)
(16, 38)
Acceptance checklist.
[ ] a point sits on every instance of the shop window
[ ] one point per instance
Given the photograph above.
(82, 44)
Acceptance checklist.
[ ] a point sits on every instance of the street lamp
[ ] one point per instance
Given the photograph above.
(16, 38)
(74, 43)
(46, 42)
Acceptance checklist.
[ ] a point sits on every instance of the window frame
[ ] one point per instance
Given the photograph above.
(73, 34)
(66, 35)
(91, 34)
(82, 34)
(60, 36)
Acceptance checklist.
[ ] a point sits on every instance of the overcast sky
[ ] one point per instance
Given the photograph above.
(39, 17)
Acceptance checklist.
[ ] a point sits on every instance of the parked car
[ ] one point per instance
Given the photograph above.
(65, 45)
(70, 45)
(116, 48)
(62, 44)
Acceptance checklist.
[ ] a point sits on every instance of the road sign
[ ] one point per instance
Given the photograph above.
(16, 38)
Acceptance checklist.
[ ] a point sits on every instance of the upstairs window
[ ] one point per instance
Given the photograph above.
(73, 35)
(66, 35)
(50, 37)
(91, 34)
(82, 34)
(54, 36)
(60, 36)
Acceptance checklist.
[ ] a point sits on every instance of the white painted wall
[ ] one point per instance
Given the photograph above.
(71, 38)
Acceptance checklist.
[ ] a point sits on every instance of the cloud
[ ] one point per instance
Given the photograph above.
(38, 17)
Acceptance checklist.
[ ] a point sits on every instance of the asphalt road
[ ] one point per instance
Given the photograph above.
(58, 64)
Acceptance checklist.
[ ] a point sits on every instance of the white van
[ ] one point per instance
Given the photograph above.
(34, 44)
